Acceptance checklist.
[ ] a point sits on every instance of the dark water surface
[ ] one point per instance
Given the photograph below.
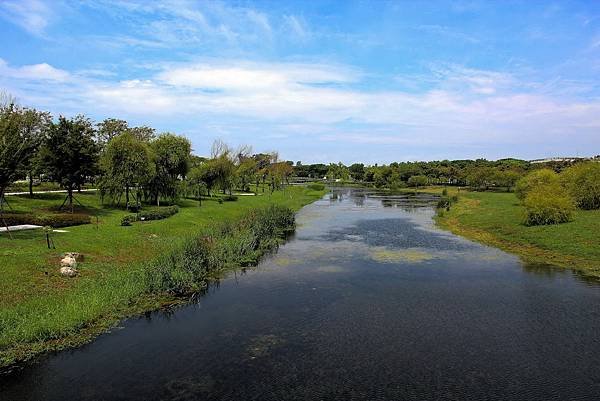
(367, 302)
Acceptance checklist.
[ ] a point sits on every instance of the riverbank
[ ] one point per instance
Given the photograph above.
(495, 219)
(41, 310)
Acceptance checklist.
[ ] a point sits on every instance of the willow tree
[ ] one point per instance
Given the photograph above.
(126, 163)
(172, 155)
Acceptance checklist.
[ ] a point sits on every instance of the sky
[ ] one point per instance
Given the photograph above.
(320, 81)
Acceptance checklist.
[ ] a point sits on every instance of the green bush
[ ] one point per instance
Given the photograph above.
(443, 202)
(157, 213)
(542, 177)
(316, 186)
(582, 181)
(547, 205)
(52, 220)
(230, 198)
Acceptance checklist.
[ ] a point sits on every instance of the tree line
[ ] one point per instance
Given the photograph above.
(128, 164)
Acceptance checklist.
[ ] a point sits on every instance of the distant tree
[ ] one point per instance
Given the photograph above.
(36, 124)
(143, 133)
(196, 179)
(126, 163)
(417, 181)
(582, 181)
(171, 161)
(19, 137)
(338, 172)
(70, 154)
(109, 129)
(246, 172)
(357, 171)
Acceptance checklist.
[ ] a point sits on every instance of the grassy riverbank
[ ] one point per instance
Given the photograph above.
(495, 219)
(126, 269)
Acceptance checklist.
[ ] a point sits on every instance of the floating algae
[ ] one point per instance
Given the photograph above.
(330, 269)
(387, 255)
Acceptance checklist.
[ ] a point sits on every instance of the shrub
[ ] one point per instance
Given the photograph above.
(188, 267)
(316, 186)
(443, 202)
(157, 213)
(542, 177)
(582, 181)
(52, 220)
(230, 198)
(547, 205)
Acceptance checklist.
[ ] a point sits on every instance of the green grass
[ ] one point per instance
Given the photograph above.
(41, 310)
(496, 219)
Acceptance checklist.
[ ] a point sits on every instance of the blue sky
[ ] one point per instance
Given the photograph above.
(320, 81)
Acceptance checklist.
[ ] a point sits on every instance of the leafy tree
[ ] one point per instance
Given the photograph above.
(542, 177)
(143, 133)
(338, 172)
(246, 172)
(582, 181)
(171, 161)
(20, 133)
(417, 181)
(109, 129)
(357, 171)
(36, 124)
(70, 153)
(126, 163)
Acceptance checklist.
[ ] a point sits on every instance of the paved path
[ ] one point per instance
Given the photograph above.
(19, 228)
(58, 191)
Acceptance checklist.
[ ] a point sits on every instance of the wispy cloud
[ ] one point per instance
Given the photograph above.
(32, 15)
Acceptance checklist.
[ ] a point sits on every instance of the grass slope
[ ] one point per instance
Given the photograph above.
(41, 310)
(495, 219)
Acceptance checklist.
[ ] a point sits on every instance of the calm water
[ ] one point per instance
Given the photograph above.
(367, 302)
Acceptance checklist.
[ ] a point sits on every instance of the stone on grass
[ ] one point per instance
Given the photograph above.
(68, 271)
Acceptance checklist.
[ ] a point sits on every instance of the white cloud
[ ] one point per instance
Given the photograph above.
(31, 15)
(34, 72)
(322, 102)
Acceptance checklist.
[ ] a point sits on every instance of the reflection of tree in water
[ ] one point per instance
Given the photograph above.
(548, 270)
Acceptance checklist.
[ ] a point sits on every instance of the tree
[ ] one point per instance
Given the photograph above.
(143, 133)
(19, 137)
(542, 177)
(417, 181)
(109, 129)
(357, 171)
(222, 165)
(582, 181)
(70, 153)
(126, 162)
(246, 173)
(172, 162)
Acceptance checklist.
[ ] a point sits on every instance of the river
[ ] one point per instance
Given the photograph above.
(368, 301)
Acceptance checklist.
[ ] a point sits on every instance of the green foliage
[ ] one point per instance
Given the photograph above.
(417, 181)
(172, 162)
(582, 181)
(357, 171)
(338, 172)
(21, 133)
(70, 153)
(316, 186)
(546, 205)
(188, 267)
(125, 162)
(537, 178)
(230, 198)
(52, 220)
(155, 213)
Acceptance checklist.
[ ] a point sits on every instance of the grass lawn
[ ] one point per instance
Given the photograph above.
(495, 219)
(41, 310)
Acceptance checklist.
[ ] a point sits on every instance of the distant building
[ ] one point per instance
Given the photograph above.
(559, 159)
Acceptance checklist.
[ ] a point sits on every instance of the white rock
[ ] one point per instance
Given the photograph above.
(68, 271)
(68, 261)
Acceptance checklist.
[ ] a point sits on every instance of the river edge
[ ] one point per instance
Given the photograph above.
(529, 253)
(12, 357)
